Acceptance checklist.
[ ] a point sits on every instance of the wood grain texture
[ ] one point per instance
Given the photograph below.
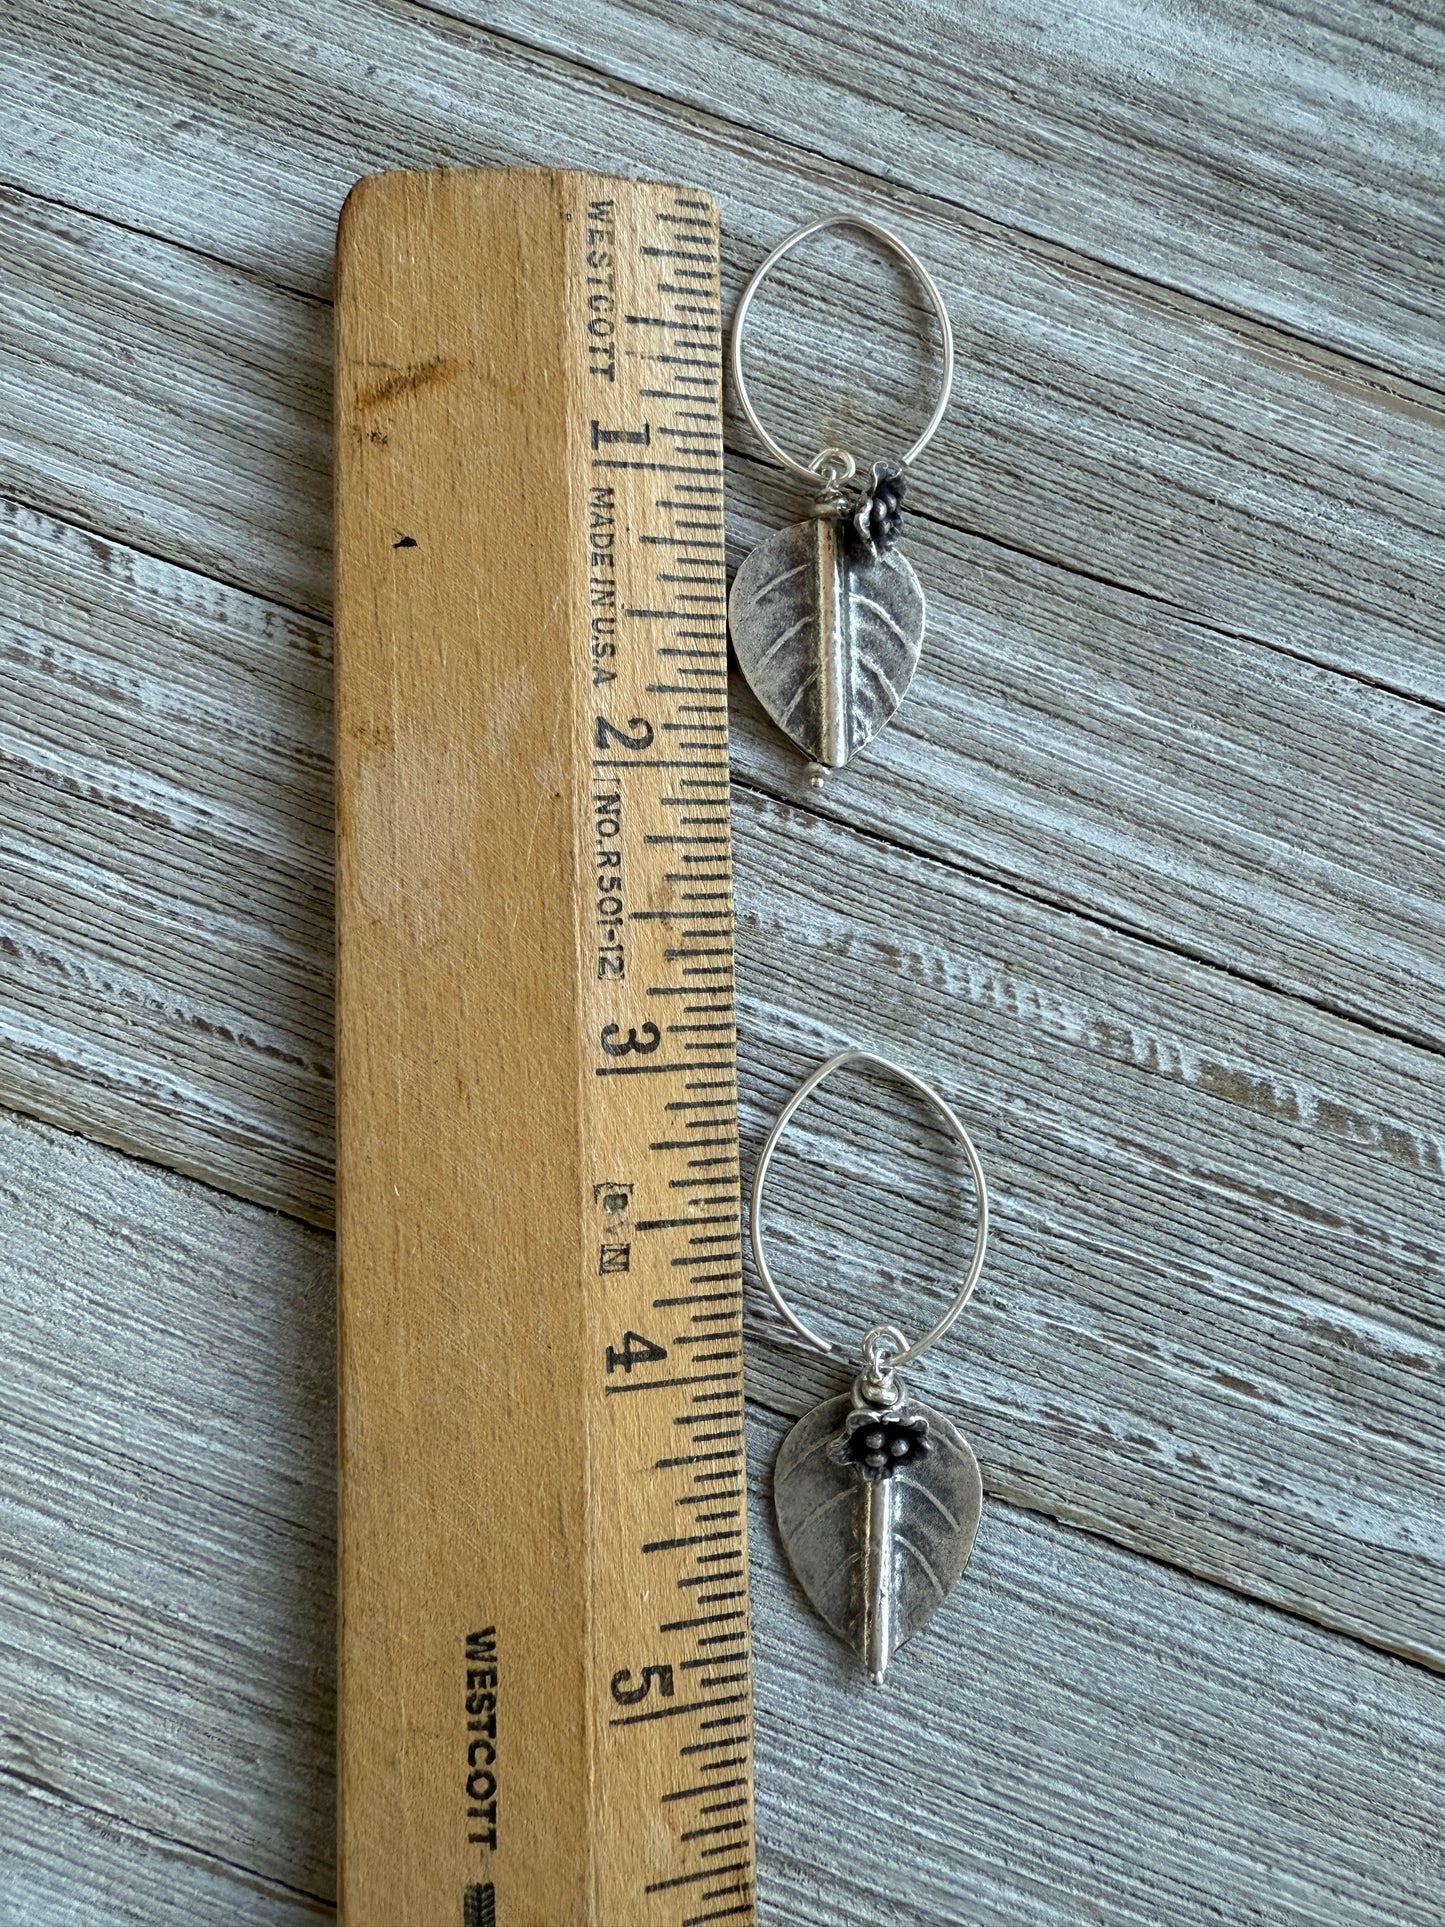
(168, 1564)
(455, 721)
(1102, 423)
(1281, 163)
(167, 794)
(1083, 1737)
(1219, 1206)
(55, 1847)
(1186, 1247)
(1293, 837)
(1272, 162)
(1146, 876)
(98, 393)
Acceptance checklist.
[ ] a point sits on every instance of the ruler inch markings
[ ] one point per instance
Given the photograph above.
(519, 1710)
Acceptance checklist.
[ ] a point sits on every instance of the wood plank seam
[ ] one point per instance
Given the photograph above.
(29, 1786)
(1024, 552)
(1054, 78)
(1059, 73)
(923, 514)
(1236, 1787)
(817, 806)
(1070, 1519)
(740, 449)
(886, 188)
(821, 807)
(440, 48)
(738, 452)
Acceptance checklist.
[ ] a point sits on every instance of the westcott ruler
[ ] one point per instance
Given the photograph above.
(545, 1692)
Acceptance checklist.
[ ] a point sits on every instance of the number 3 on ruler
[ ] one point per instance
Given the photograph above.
(649, 1040)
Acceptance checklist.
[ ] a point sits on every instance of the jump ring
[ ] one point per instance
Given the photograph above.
(879, 1355)
(907, 1353)
(805, 471)
(833, 466)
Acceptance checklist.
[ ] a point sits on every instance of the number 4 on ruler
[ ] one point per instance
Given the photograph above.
(636, 1350)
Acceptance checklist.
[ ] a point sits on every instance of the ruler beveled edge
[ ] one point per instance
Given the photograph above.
(650, 445)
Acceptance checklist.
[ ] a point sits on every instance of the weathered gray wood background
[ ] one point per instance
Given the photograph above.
(1148, 877)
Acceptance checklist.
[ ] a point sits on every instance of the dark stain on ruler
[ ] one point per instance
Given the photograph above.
(398, 383)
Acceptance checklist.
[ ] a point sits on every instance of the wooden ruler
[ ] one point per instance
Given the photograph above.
(545, 1693)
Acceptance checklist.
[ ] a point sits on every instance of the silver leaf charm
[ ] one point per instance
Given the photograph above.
(827, 634)
(878, 1511)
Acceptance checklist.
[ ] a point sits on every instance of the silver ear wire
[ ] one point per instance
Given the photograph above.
(810, 471)
(906, 1353)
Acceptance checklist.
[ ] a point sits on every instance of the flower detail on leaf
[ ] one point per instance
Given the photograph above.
(876, 1444)
(879, 515)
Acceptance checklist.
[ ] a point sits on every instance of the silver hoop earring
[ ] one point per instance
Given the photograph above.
(826, 615)
(878, 1497)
